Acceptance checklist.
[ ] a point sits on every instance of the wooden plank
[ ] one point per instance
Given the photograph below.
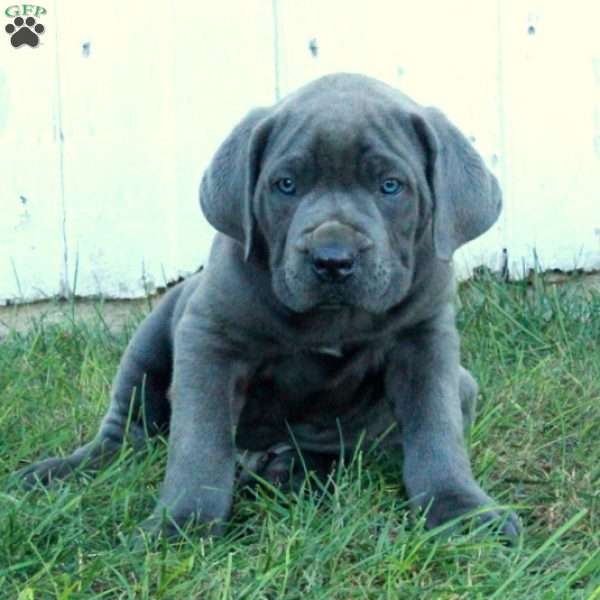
(31, 219)
(550, 94)
(148, 93)
(117, 146)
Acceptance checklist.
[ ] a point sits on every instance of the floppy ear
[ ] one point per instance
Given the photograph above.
(466, 196)
(227, 187)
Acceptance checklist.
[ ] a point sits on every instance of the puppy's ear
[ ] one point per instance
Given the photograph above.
(228, 185)
(466, 196)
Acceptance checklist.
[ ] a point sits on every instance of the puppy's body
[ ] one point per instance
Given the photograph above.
(325, 311)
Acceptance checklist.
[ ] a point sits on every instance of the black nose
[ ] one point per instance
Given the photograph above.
(333, 263)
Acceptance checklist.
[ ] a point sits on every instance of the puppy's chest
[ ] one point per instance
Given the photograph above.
(314, 387)
(316, 380)
(304, 373)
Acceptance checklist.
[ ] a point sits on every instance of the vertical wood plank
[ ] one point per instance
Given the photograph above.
(117, 145)
(148, 92)
(550, 93)
(31, 219)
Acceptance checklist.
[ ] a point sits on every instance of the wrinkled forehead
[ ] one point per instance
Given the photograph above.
(337, 130)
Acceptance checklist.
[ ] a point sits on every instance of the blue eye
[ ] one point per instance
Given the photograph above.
(391, 186)
(286, 186)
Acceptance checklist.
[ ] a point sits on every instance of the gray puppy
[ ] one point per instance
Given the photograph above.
(325, 312)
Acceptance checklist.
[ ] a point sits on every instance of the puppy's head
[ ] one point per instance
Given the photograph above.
(341, 187)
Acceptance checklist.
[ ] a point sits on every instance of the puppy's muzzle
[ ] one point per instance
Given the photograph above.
(333, 249)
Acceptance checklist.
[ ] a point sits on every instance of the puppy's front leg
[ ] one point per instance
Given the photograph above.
(423, 386)
(199, 481)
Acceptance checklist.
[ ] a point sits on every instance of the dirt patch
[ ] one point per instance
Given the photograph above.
(115, 313)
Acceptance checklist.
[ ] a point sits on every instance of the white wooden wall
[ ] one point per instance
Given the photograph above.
(106, 127)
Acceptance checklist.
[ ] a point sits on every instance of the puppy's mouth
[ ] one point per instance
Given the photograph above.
(333, 296)
(332, 306)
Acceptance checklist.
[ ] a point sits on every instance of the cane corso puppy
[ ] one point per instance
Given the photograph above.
(325, 313)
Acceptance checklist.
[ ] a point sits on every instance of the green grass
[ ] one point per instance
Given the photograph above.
(536, 353)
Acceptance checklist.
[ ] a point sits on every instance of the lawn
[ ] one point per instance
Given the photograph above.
(535, 350)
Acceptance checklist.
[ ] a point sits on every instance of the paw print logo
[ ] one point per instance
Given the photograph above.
(24, 32)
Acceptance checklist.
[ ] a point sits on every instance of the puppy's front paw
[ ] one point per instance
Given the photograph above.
(478, 509)
(43, 472)
(165, 526)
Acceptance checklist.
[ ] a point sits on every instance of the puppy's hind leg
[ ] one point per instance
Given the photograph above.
(139, 406)
(283, 466)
